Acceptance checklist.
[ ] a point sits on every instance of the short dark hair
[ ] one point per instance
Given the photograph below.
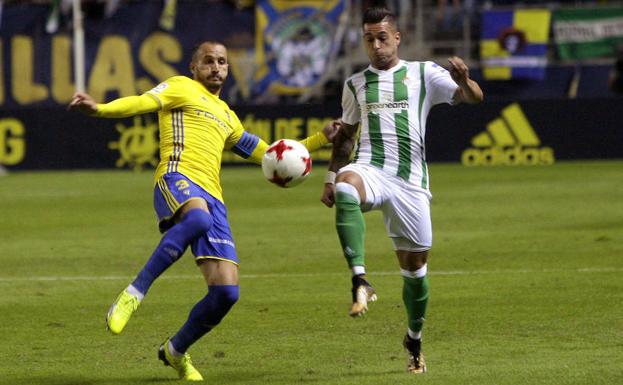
(195, 49)
(375, 15)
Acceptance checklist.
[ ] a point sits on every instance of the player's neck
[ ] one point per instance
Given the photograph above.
(214, 91)
(387, 66)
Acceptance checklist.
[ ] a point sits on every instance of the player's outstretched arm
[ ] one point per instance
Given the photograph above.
(343, 145)
(118, 108)
(312, 142)
(258, 152)
(319, 139)
(469, 91)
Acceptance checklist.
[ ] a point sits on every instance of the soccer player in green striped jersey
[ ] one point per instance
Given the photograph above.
(384, 112)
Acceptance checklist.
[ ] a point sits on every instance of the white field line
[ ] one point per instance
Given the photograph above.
(303, 275)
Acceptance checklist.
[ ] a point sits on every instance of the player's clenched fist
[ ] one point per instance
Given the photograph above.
(328, 195)
(458, 70)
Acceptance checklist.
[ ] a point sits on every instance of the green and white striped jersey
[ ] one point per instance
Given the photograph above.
(392, 107)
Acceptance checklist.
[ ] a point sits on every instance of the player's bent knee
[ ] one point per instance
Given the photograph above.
(227, 295)
(411, 260)
(215, 306)
(232, 295)
(198, 221)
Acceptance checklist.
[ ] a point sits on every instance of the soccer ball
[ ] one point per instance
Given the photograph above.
(286, 163)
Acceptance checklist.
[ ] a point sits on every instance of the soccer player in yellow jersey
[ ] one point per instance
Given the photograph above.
(195, 127)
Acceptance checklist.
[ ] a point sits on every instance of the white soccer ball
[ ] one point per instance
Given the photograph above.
(286, 163)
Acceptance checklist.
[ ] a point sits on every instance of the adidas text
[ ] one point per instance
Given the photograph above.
(508, 156)
(508, 140)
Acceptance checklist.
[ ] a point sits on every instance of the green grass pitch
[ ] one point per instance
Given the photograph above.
(525, 278)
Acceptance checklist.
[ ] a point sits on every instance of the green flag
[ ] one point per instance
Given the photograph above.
(588, 33)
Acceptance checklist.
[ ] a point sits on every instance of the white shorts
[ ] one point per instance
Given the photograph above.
(405, 207)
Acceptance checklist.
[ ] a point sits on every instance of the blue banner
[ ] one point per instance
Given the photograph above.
(126, 53)
(295, 41)
(514, 43)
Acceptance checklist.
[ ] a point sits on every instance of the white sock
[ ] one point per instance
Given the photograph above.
(419, 273)
(357, 270)
(349, 189)
(134, 291)
(415, 335)
(172, 350)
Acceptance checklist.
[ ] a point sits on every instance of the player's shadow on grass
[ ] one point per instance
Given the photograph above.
(67, 380)
(220, 377)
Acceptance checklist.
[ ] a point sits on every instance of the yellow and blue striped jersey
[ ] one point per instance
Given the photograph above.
(195, 127)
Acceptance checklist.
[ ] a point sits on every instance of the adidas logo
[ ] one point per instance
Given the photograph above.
(508, 140)
(172, 252)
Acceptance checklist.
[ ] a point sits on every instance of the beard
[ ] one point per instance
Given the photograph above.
(213, 83)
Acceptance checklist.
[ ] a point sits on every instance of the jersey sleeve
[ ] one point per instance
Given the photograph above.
(247, 145)
(351, 114)
(315, 141)
(312, 143)
(127, 106)
(171, 93)
(439, 83)
(241, 142)
(237, 130)
(253, 148)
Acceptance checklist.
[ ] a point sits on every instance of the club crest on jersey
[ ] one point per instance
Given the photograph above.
(407, 81)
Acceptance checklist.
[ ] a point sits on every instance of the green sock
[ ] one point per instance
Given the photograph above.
(415, 297)
(350, 228)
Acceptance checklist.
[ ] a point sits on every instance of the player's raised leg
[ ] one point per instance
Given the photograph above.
(194, 220)
(351, 230)
(415, 297)
(223, 292)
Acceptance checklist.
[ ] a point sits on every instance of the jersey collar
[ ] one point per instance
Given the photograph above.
(395, 68)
